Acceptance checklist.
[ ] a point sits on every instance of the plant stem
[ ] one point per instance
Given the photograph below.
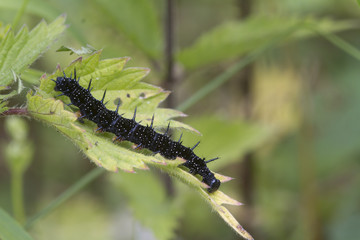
(342, 44)
(17, 196)
(20, 13)
(246, 165)
(15, 111)
(169, 80)
(216, 82)
(85, 180)
(307, 174)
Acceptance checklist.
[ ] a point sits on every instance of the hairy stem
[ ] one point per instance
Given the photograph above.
(15, 111)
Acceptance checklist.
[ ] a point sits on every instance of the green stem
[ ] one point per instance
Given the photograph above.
(225, 76)
(216, 82)
(342, 44)
(85, 180)
(20, 13)
(17, 196)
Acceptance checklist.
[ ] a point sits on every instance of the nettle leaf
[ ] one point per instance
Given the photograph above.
(158, 212)
(82, 51)
(217, 200)
(228, 139)
(10, 229)
(18, 51)
(5, 94)
(232, 39)
(31, 76)
(144, 30)
(122, 84)
(3, 106)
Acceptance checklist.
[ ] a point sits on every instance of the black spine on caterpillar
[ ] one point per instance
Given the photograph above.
(130, 130)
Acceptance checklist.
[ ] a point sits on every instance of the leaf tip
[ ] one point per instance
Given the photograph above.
(98, 163)
(237, 203)
(126, 59)
(223, 178)
(43, 77)
(63, 15)
(58, 68)
(144, 167)
(78, 60)
(146, 71)
(180, 160)
(243, 232)
(126, 170)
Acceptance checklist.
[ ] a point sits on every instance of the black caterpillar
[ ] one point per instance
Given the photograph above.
(130, 130)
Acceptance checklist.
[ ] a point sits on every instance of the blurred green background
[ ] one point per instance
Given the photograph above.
(285, 121)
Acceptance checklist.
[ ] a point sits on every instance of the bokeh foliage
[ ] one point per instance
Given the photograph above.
(302, 132)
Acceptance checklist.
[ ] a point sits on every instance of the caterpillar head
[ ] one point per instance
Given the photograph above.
(64, 84)
(213, 184)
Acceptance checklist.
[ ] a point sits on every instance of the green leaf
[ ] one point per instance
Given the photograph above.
(3, 106)
(4, 30)
(124, 84)
(31, 76)
(3, 88)
(82, 51)
(82, 217)
(7, 96)
(138, 21)
(233, 39)
(48, 10)
(228, 139)
(20, 13)
(10, 229)
(40, 8)
(18, 51)
(158, 212)
(217, 200)
(4, 97)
